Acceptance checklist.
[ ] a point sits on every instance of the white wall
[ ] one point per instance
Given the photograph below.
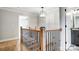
(9, 26)
(68, 28)
(52, 19)
(62, 24)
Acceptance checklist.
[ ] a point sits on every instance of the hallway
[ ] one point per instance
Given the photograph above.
(60, 26)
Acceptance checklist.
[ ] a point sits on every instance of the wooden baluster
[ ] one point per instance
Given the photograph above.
(30, 35)
(39, 40)
(21, 39)
(46, 41)
(35, 42)
(50, 41)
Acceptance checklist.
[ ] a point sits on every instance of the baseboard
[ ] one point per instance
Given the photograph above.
(15, 38)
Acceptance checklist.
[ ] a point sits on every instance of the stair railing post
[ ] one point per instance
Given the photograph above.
(42, 29)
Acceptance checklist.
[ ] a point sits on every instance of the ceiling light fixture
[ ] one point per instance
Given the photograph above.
(42, 12)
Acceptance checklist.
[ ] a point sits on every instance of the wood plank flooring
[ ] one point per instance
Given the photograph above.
(8, 45)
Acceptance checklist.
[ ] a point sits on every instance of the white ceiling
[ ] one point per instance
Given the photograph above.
(33, 10)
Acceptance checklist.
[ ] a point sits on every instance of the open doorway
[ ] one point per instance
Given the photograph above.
(23, 22)
(72, 29)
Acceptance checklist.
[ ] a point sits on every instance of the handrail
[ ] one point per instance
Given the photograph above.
(38, 30)
(31, 30)
(53, 30)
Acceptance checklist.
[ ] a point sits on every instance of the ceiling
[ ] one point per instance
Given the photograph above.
(33, 10)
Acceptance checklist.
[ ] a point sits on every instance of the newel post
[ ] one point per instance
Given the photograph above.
(42, 38)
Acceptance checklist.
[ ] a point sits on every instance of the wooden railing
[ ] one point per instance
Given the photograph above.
(49, 43)
(37, 40)
(30, 38)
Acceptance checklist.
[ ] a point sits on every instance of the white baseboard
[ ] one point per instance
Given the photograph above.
(15, 38)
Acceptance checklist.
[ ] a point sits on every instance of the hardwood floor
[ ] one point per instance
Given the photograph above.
(8, 45)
